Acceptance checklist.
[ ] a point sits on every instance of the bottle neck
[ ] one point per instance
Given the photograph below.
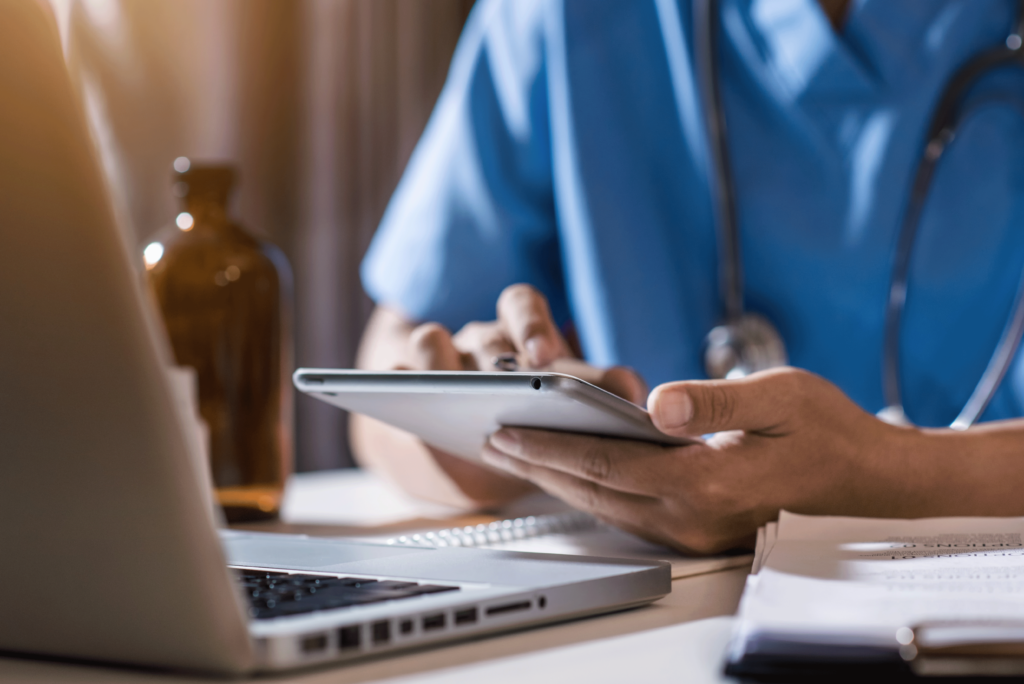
(208, 211)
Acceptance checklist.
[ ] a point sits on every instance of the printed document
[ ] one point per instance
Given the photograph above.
(856, 582)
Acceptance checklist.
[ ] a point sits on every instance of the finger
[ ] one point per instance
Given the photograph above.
(585, 495)
(482, 484)
(577, 368)
(482, 342)
(638, 515)
(758, 403)
(618, 380)
(525, 317)
(627, 466)
(431, 348)
(626, 383)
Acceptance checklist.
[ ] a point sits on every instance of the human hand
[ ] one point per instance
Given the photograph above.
(786, 439)
(523, 327)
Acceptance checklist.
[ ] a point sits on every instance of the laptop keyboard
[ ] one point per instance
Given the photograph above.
(277, 594)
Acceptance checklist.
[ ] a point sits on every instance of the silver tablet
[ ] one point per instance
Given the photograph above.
(456, 411)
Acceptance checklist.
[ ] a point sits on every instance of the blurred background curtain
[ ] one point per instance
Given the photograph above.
(318, 102)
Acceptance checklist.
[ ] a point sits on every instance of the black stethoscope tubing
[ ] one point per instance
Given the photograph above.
(705, 46)
(941, 132)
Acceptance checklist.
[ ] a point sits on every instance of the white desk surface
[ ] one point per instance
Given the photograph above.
(681, 638)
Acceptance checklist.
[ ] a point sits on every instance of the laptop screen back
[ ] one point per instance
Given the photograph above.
(103, 528)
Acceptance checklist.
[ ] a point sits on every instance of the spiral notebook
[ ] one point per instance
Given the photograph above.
(537, 524)
(571, 533)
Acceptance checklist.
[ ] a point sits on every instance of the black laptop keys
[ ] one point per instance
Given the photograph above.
(277, 594)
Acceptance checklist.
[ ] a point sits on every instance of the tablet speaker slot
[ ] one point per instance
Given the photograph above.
(507, 608)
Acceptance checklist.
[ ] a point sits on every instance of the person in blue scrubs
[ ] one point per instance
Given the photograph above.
(559, 206)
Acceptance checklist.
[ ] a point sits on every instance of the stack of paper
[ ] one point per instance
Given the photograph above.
(858, 590)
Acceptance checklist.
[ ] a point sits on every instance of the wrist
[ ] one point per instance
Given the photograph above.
(937, 472)
(979, 471)
(888, 473)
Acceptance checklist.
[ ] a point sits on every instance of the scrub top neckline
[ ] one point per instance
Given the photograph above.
(807, 58)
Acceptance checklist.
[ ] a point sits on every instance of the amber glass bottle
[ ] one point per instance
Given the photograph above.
(225, 298)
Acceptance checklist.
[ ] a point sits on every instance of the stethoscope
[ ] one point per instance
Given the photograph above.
(746, 342)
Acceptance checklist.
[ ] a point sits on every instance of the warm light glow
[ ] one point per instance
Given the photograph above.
(185, 221)
(152, 254)
(182, 164)
(104, 14)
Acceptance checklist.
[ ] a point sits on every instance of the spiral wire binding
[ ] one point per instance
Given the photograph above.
(501, 531)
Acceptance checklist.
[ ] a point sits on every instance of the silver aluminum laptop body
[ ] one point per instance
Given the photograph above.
(103, 523)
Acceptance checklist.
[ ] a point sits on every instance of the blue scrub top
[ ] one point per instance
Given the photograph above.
(567, 151)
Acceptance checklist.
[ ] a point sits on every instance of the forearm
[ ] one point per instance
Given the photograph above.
(943, 472)
(385, 340)
(982, 469)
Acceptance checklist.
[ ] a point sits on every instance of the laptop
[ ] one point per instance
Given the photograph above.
(109, 551)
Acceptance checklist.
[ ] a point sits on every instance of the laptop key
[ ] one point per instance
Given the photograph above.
(355, 582)
(278, 594)
(433, 589)
(392, 584)
(391, 595)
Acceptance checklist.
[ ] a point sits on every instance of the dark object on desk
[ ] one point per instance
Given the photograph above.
(768, 659)
(225, 298)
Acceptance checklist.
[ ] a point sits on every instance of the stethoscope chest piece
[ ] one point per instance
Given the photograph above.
(746, 345)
